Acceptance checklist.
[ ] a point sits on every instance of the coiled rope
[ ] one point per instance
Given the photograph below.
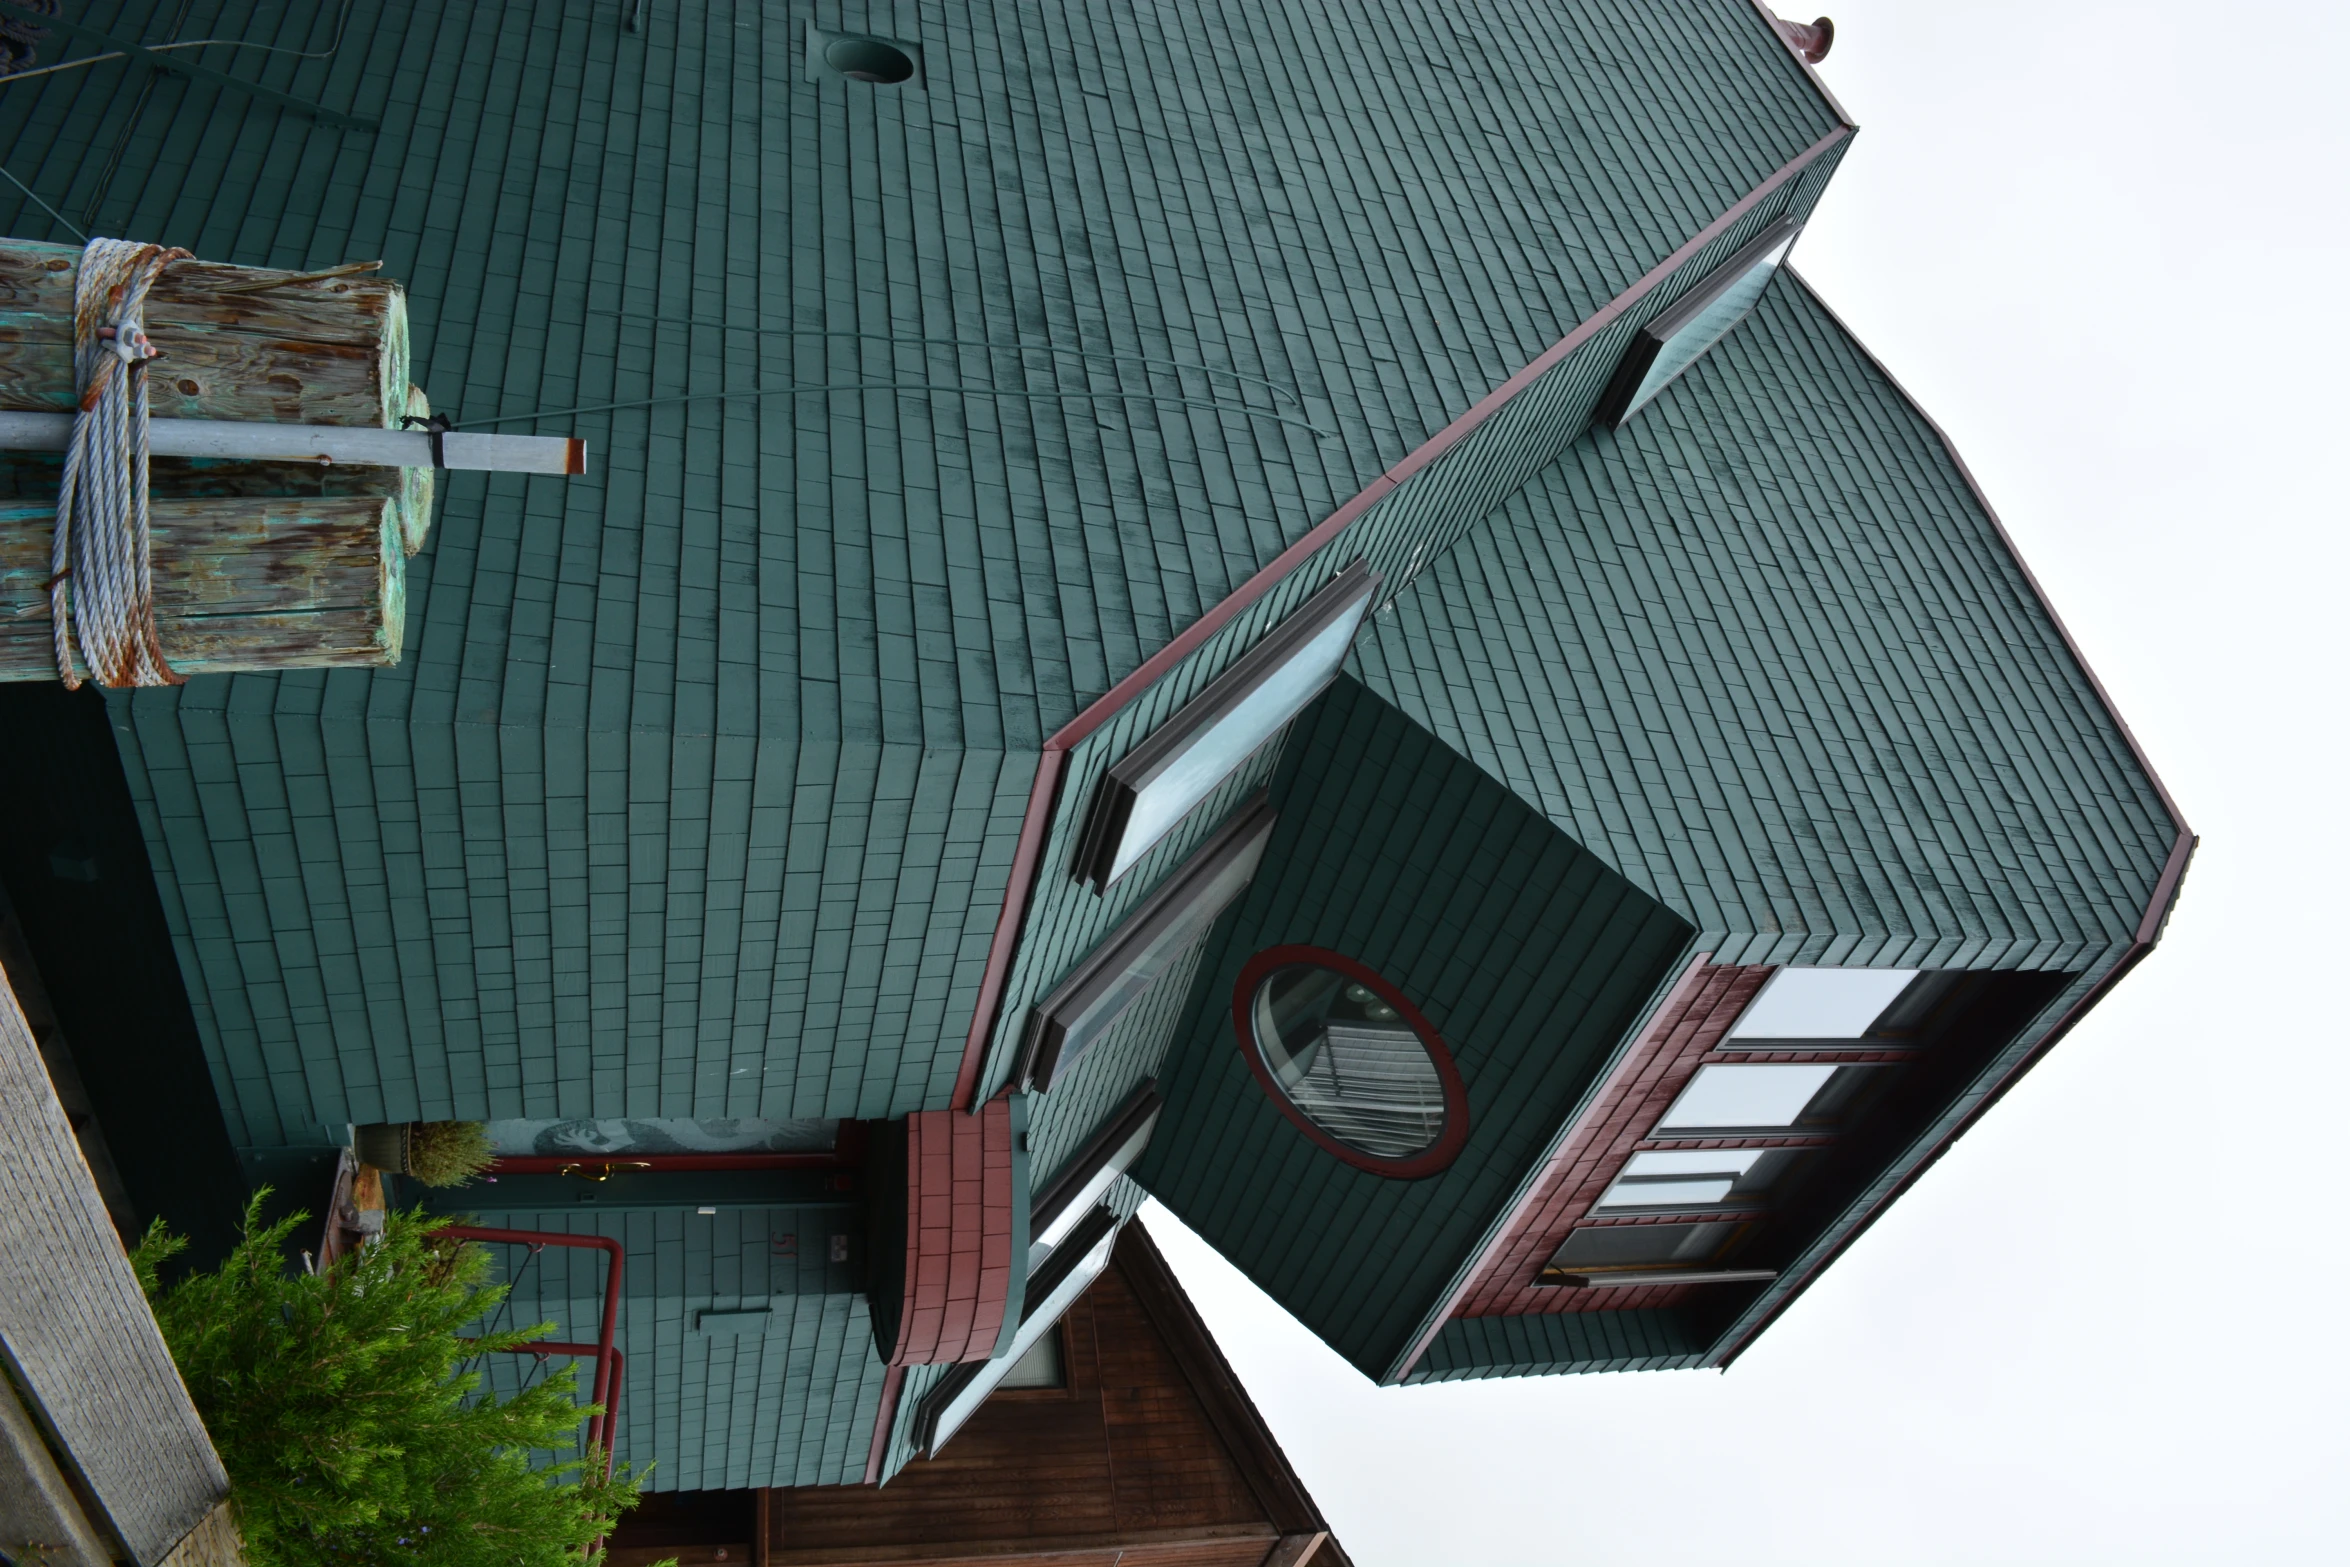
(101, 588)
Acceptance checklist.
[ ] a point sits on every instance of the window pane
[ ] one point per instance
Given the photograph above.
(1709, 326)
(1089, 1196)
(1040, 1367)
(1742, 1095)
(1162, 931)
(1689, 1192)
(1821, 1003)
(1346, 1057)
(1211, 756)
(1645, 1245)
(1700, 1177)
(1695, 1161)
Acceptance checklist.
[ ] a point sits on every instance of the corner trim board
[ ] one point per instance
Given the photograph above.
(893, 1384)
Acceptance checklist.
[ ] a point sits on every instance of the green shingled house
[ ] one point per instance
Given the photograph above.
(1287, 606)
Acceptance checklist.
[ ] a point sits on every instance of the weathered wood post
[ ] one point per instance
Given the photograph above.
(256, 564)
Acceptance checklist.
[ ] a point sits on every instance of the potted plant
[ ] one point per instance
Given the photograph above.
(438, 1153)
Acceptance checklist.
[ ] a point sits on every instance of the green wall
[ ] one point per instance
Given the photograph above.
(1529, 956)
(696, 789)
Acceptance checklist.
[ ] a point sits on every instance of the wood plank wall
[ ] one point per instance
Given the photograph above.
(77, 1332)
(1123, 1465)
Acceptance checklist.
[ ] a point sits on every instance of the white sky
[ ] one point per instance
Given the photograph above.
(2102, 244)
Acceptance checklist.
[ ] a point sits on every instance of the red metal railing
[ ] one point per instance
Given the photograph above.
(606, 1387)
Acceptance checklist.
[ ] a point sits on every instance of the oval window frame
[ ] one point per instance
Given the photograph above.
(1454, 1137)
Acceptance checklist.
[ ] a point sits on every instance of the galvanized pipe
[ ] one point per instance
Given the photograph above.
(251, 440)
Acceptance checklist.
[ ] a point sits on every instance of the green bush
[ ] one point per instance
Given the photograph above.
(448, 1153)
(350, 1436)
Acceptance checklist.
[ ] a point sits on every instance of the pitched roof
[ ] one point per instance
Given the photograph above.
(1765, 651)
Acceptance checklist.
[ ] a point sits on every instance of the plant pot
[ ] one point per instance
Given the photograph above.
(384, 1145)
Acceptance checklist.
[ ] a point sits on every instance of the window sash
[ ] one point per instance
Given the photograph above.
(1682, 334)
(1154, 787)
(1119, 972)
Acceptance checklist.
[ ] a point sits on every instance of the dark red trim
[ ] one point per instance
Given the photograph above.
(1449, 1141)
(893, 1382)
(605, 1391)
(1007, 926)
(1189, 641)
(2166, 888)
(1538, 1188)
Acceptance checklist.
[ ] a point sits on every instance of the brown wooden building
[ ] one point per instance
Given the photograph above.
(1130, 1443)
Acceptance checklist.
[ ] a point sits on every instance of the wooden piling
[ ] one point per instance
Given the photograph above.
(241, 584)
(257, 565)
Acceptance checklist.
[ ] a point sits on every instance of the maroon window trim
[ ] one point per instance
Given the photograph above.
(1050, 766)
(1449, 1142)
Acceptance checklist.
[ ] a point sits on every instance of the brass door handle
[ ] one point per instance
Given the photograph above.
(602, 1172)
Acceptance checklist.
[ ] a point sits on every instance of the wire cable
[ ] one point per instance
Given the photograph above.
(45, 207)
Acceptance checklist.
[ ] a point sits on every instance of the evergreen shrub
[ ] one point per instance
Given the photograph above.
(352, 1428)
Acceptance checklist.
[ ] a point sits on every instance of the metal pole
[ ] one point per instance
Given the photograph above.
(359, 445)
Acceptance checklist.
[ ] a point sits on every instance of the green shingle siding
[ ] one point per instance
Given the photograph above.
(794, 1405)
(1414, 524)
(1470, 1348)
(509, 900)
(1527, 954)
(1764, 652)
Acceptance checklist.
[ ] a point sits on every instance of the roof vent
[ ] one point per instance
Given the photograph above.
(857, 57)
(1811, 39)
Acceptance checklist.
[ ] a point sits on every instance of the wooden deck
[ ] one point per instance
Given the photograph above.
(90, 1371)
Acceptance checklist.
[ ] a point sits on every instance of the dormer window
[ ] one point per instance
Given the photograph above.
(1679, 337)
(1052, 1290)
(1156, 784)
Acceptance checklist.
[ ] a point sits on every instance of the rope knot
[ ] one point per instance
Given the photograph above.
(101, 587)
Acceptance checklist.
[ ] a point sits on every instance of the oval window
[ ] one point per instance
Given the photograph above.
(1350, 1061)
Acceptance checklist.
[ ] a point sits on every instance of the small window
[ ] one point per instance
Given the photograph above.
(1679, 337)
(1055, 1288)
(1824, 1003)
(1070, 1021)
(862, 58)
(1350, 1061)
(1042, 1366)
(1081, 1184)
(1646, 1245)
(1699, 1177)
(1156, 785)
(1741, 1097)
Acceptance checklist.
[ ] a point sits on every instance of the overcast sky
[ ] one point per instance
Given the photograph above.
(2102, 244)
